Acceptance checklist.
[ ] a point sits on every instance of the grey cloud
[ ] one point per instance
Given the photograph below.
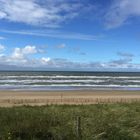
(123, 62)
(120, 61)
(66, 64)
(122, 54)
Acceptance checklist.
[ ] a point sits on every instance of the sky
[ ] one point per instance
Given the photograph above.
(88, 35)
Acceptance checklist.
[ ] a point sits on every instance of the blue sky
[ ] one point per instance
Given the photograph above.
(70, 35)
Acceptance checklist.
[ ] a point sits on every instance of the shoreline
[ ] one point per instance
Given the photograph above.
(33, 98)
(54, 88)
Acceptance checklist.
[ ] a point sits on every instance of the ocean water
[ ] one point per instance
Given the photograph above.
(23, 80)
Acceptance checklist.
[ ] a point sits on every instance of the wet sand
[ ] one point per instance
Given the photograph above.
(17, 98)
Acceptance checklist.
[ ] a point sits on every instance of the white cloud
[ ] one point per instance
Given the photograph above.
(120, 11)
(17, 54)
(56, 34)
(29, 49)
(2, 48)
(68, 64)
(2, 14)
(20, 55)
(35, 12)
(45, 60)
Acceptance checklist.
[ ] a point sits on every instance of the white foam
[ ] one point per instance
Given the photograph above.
(50, 81)
(67, 77)
(73, 85)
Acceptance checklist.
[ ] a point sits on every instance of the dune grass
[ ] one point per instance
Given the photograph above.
(59, 122)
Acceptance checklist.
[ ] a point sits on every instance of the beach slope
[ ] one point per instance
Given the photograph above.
(16, 98)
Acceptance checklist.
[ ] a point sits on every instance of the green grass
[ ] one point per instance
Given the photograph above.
(98, 122)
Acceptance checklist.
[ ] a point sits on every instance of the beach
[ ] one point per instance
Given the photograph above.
(33, 98)
(58, 87)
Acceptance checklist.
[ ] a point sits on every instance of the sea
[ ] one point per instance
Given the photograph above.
(69, 80)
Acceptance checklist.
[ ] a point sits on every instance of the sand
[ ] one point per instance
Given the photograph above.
(18, 98)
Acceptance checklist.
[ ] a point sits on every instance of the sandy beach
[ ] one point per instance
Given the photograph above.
(17, 98)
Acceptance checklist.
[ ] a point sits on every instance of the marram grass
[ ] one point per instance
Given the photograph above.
(54, 122)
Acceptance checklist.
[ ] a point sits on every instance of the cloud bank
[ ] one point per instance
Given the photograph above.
(23, 58)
